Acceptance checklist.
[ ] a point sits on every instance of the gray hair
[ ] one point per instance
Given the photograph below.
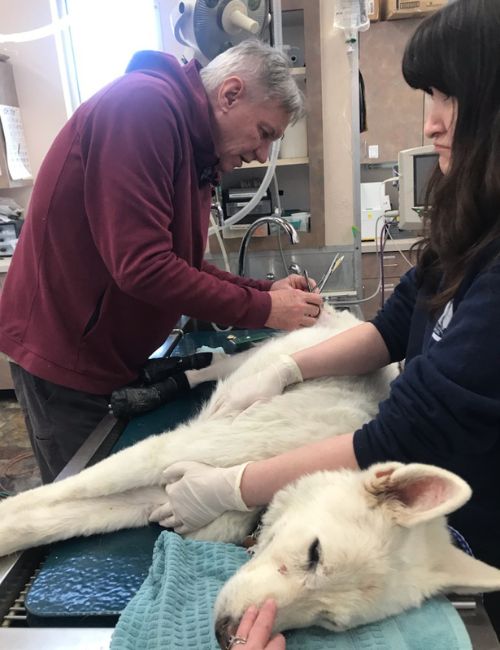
(265, 70)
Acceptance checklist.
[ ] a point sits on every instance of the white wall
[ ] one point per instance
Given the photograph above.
(38, 82)
(337, 131)
(37, 76)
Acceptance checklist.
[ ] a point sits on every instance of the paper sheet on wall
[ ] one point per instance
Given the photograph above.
(17, 154)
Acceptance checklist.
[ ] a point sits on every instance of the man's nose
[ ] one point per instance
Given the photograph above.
(262, 152)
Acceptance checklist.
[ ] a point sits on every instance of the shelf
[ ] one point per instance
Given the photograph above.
(279, 163)
(298, 72)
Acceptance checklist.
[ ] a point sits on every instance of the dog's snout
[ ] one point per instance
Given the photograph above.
(225, 628)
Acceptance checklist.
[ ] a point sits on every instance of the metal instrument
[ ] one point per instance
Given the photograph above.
(308, 282)
(336, 262)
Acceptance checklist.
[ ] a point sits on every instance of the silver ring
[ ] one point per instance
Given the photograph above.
(236, 640)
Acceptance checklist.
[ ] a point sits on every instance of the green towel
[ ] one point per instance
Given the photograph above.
(173, 609)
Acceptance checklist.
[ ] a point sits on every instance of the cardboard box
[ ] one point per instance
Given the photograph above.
(398, 9)
(374, 10)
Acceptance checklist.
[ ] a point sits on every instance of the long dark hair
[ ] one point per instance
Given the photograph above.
(457, 51)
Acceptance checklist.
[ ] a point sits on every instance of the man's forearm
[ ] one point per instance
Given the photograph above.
(262, 479)
(356, 351)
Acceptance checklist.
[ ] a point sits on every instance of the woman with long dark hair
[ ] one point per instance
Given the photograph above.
(443, 318)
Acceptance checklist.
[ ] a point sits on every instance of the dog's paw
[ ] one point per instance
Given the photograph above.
(163, 515)
(12, 538)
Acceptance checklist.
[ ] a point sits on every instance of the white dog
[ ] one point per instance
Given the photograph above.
(352, 538)
(341, 549)
(122, 490)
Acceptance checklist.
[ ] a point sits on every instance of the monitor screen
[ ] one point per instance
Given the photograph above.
(415, 167)
(423, 166)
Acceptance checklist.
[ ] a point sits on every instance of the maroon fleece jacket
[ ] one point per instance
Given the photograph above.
(111, 254)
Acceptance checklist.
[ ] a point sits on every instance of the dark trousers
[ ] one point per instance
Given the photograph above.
(58, 419)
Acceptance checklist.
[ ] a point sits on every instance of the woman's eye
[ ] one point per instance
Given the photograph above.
(313, 554)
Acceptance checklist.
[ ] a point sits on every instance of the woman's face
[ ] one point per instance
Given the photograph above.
(440, 125)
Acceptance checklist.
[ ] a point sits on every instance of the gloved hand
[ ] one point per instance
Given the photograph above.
(262, 386)
(197, 494)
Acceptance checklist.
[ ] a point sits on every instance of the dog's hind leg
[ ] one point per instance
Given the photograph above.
(138, 466)
(51, 522)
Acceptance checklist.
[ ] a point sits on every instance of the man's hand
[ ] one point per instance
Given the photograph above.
(294, 281)
(197, 494)
(293, 308)
(262, 386)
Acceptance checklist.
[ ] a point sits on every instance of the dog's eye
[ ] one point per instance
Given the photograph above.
(313, 555)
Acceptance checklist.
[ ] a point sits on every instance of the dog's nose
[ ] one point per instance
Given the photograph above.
(225, 628)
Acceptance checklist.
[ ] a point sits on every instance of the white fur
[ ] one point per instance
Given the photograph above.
(368, 551)
(382, 546)
(122, 490)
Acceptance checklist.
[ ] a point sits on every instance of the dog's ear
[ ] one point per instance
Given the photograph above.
(462, 574)
(415, 493)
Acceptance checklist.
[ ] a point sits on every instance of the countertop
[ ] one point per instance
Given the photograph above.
(390, 245)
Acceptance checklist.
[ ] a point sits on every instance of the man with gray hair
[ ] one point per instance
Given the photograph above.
(111, 254)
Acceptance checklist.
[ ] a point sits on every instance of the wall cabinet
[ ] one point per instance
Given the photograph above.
(325, 181)
(300, 177)
(322, 181)
(395, 112)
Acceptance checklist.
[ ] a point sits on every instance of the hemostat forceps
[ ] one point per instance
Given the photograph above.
(308, 282)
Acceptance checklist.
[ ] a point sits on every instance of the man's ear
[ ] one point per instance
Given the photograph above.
(415, 493)
(230, 92)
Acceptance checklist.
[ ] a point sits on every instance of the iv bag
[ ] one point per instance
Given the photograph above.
(351, 15)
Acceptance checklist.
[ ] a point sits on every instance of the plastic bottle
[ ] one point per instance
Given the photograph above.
(351, 16)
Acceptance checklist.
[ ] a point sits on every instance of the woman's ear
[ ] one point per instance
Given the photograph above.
(230, 92)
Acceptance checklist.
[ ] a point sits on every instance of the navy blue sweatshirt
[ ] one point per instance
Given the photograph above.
(444, 409)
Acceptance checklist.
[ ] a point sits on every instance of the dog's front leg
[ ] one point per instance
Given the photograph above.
(53, 521)
(221, 367)
(135, 467)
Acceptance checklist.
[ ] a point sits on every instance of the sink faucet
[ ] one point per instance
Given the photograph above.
(278, 221)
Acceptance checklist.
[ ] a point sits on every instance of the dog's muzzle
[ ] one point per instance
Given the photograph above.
(225, 632)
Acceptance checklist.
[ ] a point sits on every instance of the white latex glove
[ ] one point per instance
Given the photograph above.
(197, 494)
(262, 386)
